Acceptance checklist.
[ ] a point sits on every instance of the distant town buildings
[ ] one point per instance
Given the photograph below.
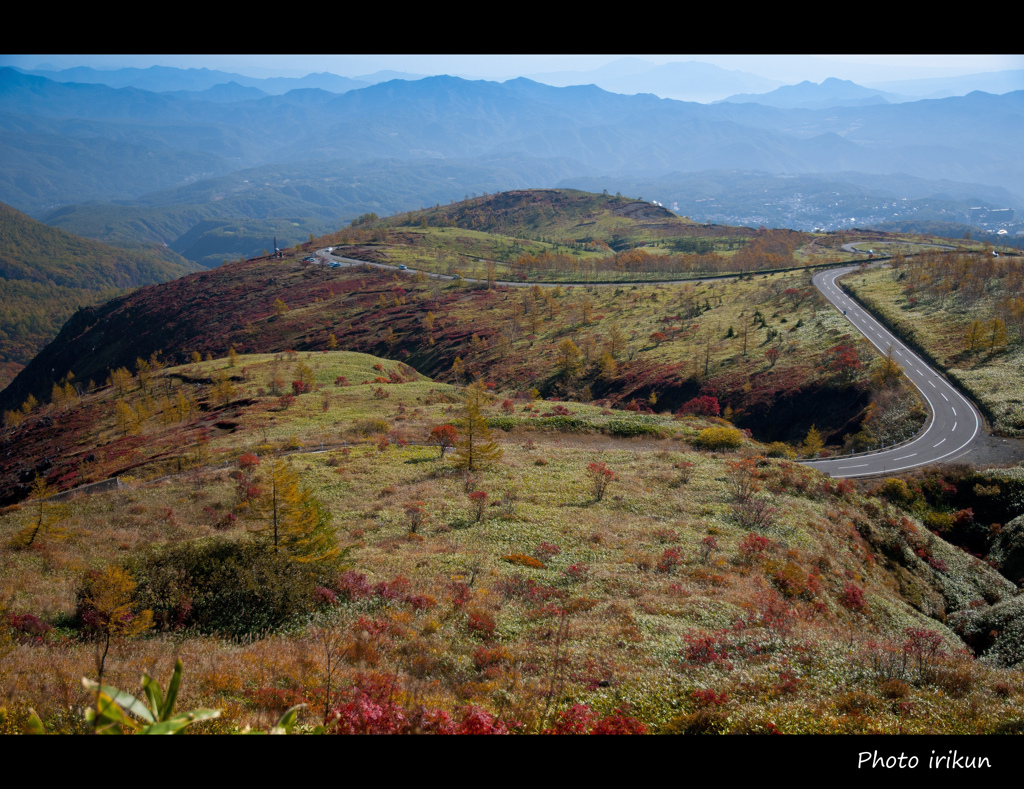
(991, 216)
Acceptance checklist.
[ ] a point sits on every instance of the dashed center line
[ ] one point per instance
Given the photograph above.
(866, 323)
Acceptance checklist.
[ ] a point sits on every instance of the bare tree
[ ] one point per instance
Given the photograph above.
(331, 644)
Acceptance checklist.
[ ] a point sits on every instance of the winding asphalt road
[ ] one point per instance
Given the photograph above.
(953, 424)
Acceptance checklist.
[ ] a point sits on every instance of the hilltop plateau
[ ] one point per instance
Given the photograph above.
(767, 347)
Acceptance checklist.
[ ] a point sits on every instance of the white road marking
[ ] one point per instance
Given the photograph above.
(954, 410)
(865, 323)
(932, 384)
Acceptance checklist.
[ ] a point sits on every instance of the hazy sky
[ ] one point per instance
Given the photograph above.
(789, 68)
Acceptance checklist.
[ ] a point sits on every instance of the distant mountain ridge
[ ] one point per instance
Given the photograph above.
(159, 79)
(68, 143)
(997, 82)
(686, 81)
(830, 93)
(448, 117)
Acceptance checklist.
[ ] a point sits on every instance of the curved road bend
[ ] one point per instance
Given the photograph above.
(954, 422)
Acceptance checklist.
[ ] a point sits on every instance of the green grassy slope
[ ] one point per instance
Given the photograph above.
(703, 592)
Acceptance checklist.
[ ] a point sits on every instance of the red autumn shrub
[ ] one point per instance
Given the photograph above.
(365, 715)
(670, 560)
(924, 645)
(707, 546)
(685, 471)
(709, 698)
(372, 708)
(28, 627)
(704, 649)
(478, 721)
(485, 657)
(324, 596)
(963, 518)
(480, 623)
(700, 406)
(461, 593)
(395, 589)
(546, 551)
(526, 589)
(619, 723)
(444, 437)
(353, 585)
(248, 461)
(600, 477)
(578, 719)
(853, 598)
(581, 719)
(478, 500)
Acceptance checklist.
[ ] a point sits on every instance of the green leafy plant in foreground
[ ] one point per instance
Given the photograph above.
(157, 718)
(110, 715)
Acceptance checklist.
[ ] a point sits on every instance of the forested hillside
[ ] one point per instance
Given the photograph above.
(46, 274)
